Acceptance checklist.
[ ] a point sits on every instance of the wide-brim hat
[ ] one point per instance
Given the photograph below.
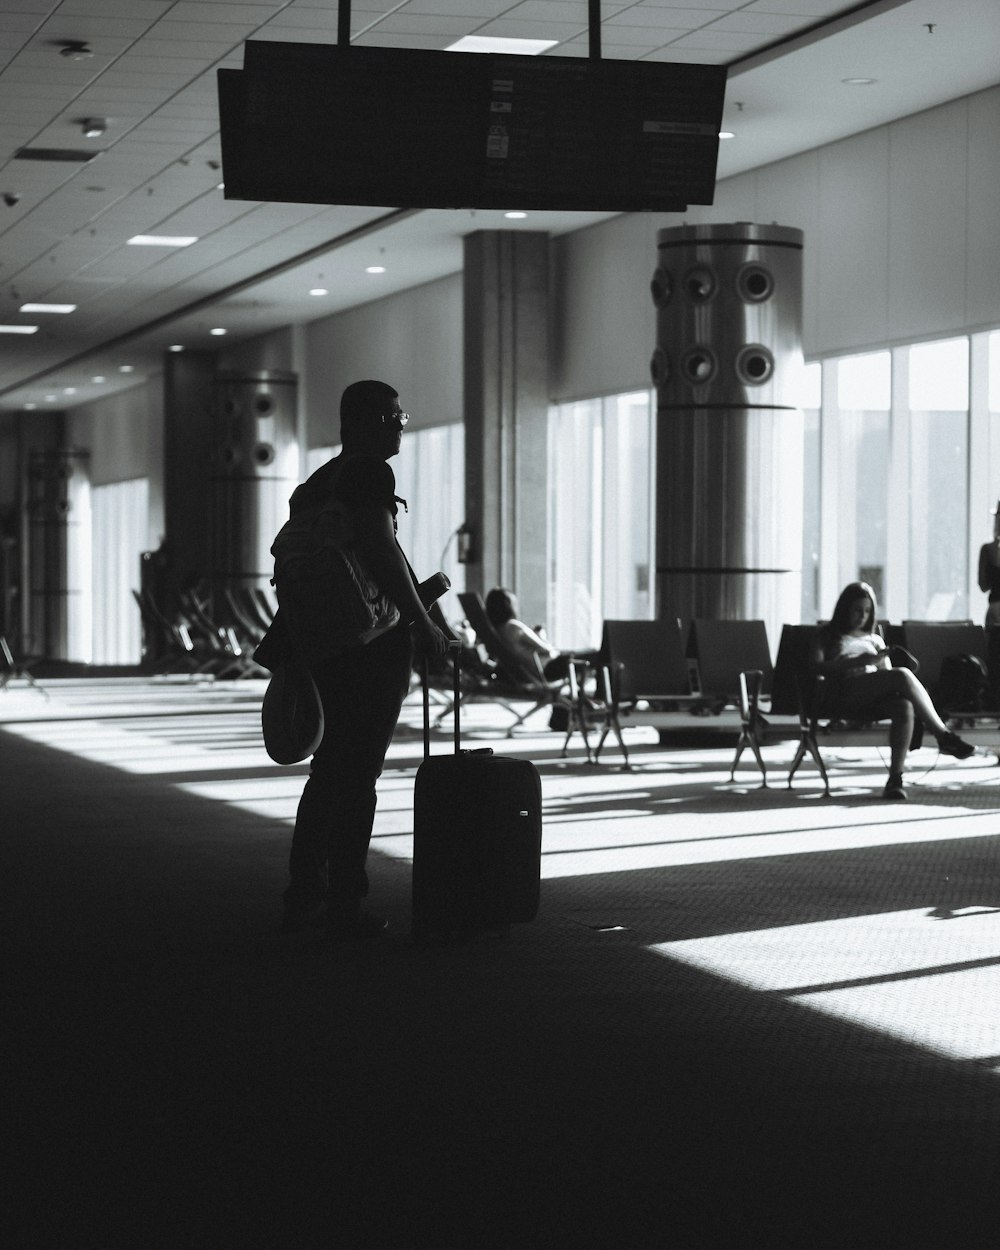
(291, 715)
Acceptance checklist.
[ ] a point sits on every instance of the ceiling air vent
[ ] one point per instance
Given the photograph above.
(77, 155)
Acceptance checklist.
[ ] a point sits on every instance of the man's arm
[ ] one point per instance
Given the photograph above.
(376, 540)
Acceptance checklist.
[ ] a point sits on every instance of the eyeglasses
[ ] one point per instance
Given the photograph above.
(398, 416)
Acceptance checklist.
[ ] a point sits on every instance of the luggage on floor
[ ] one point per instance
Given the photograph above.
(477, 838)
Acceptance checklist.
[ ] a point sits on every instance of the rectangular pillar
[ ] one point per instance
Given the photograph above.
(506, 396)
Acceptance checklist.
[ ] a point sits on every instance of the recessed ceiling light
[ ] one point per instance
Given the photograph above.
(47, 308)
(93, 127)
(484, 43)
(859, 82)
(162, 240)
(319, 290)
(375, 269)
(69, 390)
(126, 368)
(30, 405)
(176, 347)
(98, 378)
(217, 331)
(18, 329)
(515, 215)
(50, 399)
(727, 134)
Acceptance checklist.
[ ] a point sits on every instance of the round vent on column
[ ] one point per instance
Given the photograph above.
(700, 284)
(698, 365)
(263, 405)
(661, 287)
(659, 367)
(263, 453)
(754, 283)
(754, 364)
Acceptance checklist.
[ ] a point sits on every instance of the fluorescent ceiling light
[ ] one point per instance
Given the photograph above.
(162, 240)
(217, 331)
(484, 43)
(375, 269)
(47, 308)
(18, 329)
(515, 215)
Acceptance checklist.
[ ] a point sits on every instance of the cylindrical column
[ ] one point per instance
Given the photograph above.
(727, 368)
(58, 623)
(255, 458)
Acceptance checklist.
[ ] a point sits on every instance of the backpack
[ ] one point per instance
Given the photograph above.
(330, 600)
(962, 684)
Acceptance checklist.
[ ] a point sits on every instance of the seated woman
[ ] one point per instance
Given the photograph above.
(861, 683)
(525, 642)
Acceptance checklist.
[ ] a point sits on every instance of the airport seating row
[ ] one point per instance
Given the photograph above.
(723, 670)
(186, 633)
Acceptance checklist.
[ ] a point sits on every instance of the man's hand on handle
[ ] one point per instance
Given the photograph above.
(427, 638)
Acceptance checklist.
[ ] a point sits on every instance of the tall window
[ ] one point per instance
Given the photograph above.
(430, 476)
(120, 529)
(994, 410)
(938, 479)
(811, 402)
(601, 459)
(864, 391)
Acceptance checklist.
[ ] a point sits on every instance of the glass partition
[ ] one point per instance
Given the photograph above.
(601, 459)
(811, 404)
(938, 479)
(864, 390)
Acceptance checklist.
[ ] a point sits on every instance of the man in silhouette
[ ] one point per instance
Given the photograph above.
(350, 504)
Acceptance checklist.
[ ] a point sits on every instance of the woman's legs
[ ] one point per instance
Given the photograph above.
(912, 689)
(900, 734)
(898, 694)
(865, 695)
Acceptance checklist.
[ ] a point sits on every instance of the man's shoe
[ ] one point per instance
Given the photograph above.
(356, 928)
(894, 791)
(952, 744)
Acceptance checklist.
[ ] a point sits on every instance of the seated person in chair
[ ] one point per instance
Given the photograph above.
(862, 685)
(525, 642)
(528, 643)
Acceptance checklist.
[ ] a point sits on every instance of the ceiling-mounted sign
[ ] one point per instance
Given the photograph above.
(323, 124)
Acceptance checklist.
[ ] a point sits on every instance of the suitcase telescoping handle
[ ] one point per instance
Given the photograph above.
(455, 651)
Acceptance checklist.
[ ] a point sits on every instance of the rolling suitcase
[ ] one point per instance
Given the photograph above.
(477, 838)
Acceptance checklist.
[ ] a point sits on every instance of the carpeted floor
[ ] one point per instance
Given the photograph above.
(744, 1018)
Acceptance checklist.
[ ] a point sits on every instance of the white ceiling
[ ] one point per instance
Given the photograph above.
(157, 167)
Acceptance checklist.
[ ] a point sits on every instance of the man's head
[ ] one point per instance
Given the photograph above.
(371, 419)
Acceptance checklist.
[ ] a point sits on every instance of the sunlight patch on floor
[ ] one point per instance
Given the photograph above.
(930, 977)
(676, 807)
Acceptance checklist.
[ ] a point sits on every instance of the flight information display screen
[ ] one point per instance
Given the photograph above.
(322, 124)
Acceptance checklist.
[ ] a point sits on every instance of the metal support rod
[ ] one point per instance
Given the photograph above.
(343, 23)
(594, 18)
